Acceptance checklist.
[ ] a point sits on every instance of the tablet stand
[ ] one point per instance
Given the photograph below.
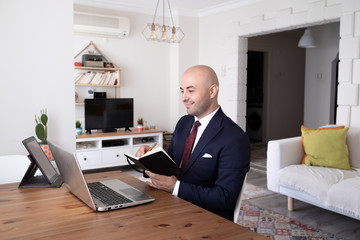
(31, 181)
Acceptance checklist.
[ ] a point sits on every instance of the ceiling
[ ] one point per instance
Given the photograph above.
(180, 7)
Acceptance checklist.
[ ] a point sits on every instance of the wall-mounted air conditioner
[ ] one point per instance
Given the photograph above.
(101, 25)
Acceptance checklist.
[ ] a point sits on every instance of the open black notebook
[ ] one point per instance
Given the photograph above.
(157, 161)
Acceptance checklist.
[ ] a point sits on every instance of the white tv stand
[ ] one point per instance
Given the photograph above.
(101, 150)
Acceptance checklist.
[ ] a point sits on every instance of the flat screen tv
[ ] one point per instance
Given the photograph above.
(108, 114)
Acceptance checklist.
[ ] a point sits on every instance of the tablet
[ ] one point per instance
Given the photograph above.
(38, 159)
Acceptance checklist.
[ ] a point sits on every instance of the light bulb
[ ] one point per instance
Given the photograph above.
(153, 35)
(173, 35)
(163, 34)
(173, 38)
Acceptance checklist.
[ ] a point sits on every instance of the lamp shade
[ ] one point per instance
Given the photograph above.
(163, 33)
(176, 35)
(151, 32)
(307, 41)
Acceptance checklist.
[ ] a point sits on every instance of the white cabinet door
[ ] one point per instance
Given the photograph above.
(87, 159)
(115, 156)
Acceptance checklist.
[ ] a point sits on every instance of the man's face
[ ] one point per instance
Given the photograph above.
(195, 96)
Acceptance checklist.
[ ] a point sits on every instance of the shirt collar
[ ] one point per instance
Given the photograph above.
(205, 120)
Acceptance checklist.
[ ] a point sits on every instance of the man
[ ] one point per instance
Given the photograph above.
(214, 173)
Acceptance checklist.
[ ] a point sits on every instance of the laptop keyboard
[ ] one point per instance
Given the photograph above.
(106, 195)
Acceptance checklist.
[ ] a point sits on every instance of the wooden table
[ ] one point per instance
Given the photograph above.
(54, 213)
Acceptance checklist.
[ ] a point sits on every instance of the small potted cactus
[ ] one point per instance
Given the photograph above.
(140, 126)
(41, 132)
(78, 127)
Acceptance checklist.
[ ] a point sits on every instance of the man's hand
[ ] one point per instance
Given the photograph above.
(142, 150)
(161, 182)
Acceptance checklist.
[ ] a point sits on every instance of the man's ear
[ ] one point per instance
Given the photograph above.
(213, 90)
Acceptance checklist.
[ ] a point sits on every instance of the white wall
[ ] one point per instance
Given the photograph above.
(151, 71)
(218, 48)
(36, 71)
(183, 56)
(318, 75)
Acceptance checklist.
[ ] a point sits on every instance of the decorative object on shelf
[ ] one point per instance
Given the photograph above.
(156, 32)
(76, 96)
(91, 48)
(92, 60)
(140, 126)
(306, 40)
(91, 93)
(108, 65)
(78, 129)
(146, 126)
(41, 132)
(100, 95)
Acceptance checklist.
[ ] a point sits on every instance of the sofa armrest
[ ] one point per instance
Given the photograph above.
(282, 153)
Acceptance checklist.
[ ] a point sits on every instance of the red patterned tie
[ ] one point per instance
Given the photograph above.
(189, 145)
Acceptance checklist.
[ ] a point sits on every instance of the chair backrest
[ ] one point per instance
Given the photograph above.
(13, 168)
(238, 202)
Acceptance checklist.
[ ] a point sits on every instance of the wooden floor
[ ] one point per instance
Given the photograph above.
(341, 226)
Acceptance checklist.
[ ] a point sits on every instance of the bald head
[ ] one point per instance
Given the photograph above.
(204, 74)
(199, 88)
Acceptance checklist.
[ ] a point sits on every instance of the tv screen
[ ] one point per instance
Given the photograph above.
(109, 114)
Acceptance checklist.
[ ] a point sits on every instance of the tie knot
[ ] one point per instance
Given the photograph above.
(197, 124)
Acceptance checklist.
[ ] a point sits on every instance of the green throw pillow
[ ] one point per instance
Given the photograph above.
(326, 148)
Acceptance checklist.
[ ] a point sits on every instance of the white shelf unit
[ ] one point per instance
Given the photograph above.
(102, 150)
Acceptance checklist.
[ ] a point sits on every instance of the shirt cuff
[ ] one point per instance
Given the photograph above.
(176, 188)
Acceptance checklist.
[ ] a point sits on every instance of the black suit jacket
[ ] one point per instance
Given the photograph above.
(215, 172)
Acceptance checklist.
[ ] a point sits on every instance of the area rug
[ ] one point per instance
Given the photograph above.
(252, 191)
(277, 227)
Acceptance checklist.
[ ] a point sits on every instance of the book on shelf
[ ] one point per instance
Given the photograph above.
(157, 161)
(112, 79)
(102, 78)
(107, 78)
(97, 78)
(78, 78)
(87, 78)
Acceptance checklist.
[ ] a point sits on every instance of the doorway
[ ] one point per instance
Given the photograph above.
(295, 82)
(275, 86)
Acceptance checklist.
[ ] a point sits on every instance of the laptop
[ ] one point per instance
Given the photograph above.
(100, 196)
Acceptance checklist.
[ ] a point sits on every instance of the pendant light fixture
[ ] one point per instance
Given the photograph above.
(163, 33)
(307, 41)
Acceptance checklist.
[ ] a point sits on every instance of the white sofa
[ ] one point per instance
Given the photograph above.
(333, 189)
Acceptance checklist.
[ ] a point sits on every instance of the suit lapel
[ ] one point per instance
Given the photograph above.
(212, 129)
